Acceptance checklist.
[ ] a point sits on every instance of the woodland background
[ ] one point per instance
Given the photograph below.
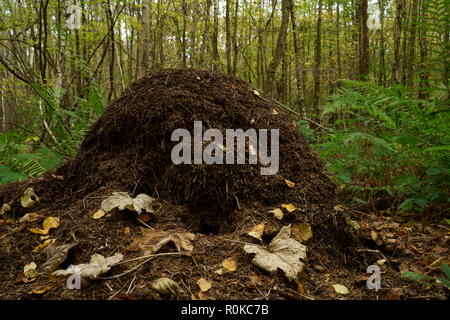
(367, 81)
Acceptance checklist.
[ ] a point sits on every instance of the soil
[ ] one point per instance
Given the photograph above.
(128, 150)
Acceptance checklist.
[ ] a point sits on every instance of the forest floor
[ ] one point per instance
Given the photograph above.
(392, 243)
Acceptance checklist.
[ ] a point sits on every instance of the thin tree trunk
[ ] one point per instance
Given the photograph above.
(300, 103)
(279, 50)
(412, 45)
(318, 60)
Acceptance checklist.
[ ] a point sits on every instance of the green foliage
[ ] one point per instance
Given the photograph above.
(23, 160)
(24, 155)
(446, 270)
(384, 140)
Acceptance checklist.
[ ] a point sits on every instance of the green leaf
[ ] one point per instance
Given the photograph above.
(412, 276)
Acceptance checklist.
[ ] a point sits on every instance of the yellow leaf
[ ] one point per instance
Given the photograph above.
(43, 245)
(49, 223)
(274, 112)
(229, 264)
(204, 284)
(289, 183)
(257, 231)
(277, 213)
(40, 290)
(98, 214)
(301, 231)
(289, 207)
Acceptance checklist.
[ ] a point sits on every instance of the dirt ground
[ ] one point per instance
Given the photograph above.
(128, 150)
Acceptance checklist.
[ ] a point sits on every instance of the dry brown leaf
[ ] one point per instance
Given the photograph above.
(229, 264)
(277, 213)
(256, 279)
(301, 231)
(30, 217)
(144, 217)
(152, 240)
(257, 231)
(49, 223)
(289, 183)
(55, 256)
(204, 284)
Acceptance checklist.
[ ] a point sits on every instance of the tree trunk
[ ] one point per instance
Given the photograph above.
(363, 40)
(412, 45)
(318, 60)
(300, 103)
(279, 50)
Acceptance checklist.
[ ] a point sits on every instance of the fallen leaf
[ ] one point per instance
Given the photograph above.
(412, 276)
(55, 256)
(127, 230)
(49, 223)
(30, 217)
(289, 183)
(361, 278)
(282, 253)
(256, 279)
(167, 287)
(256, 92)
(202, 296)
(374, 235)
(43, 245)
(289, 207)
(144, 217)
(219, 271)
(29, 198)
(341, 289)
(98, 214)
(5, 208)
(229, 264)
(29, 272)
(96, 266)
(152, 240)
(257, 231)
(123, 201)
(204, 284)
(40, 290)
(301, 231)
(277, 213)
(300, 287)
(274, 112)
